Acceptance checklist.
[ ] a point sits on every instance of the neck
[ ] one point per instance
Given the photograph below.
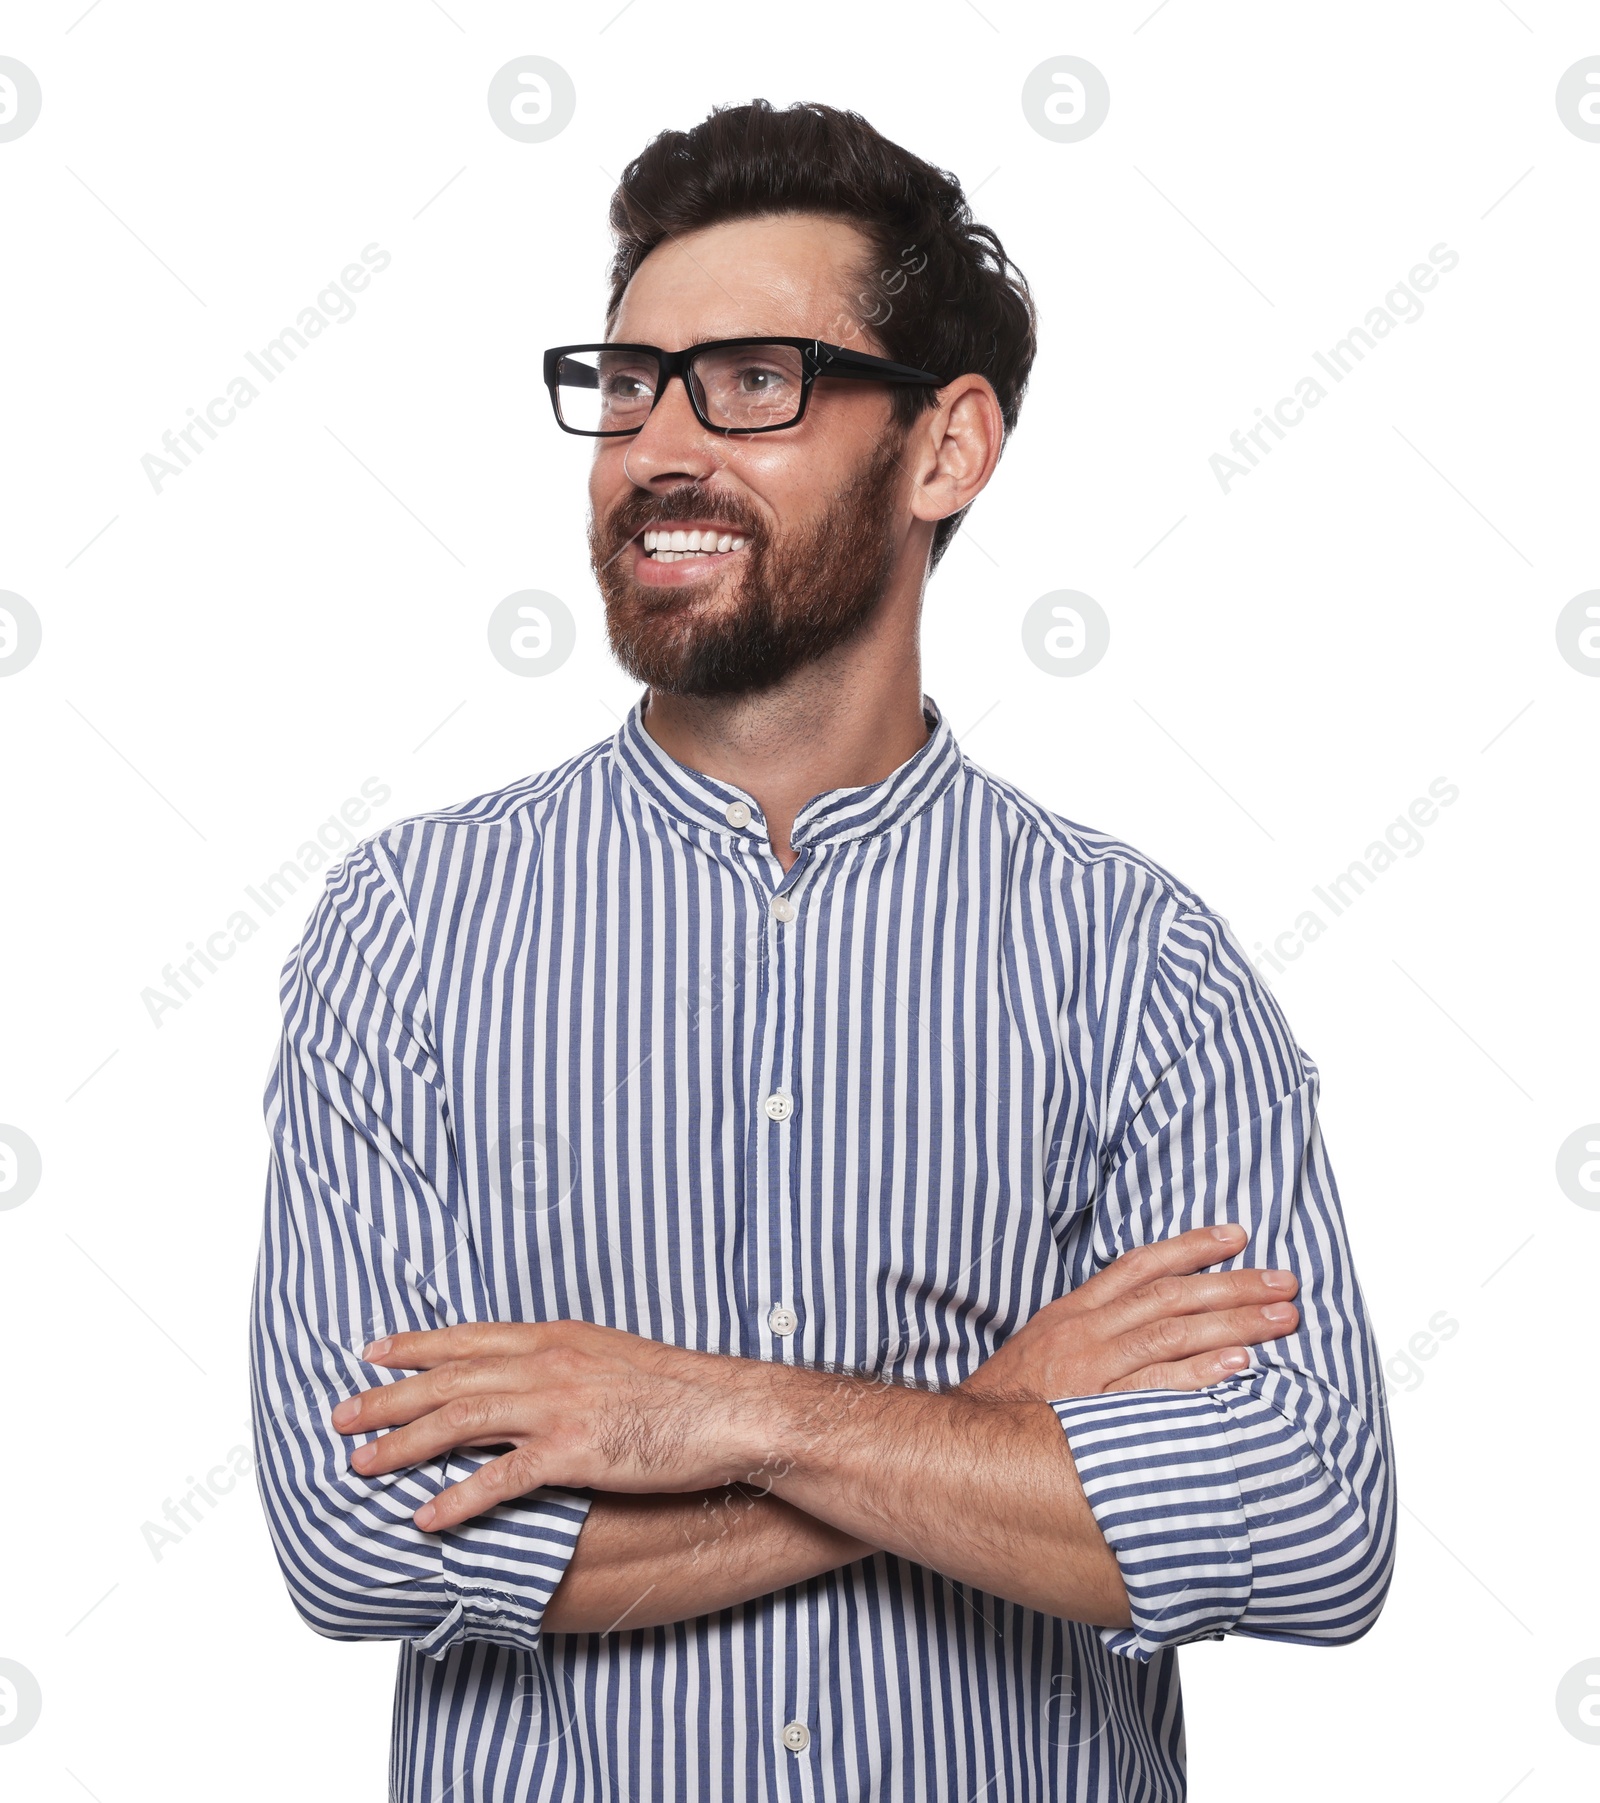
(851, 718)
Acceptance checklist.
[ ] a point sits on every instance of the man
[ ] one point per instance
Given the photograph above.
(779, 1255)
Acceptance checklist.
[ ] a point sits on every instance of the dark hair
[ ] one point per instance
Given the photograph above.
(955, 302)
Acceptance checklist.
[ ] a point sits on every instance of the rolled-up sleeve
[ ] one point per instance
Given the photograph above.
(365, 1234)
(1263, 1505)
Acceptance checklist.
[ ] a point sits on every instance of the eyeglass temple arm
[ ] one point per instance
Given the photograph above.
(572, 374)
(841, 362)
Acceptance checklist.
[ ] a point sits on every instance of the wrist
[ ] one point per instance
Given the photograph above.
(771, 1416)
(816, 1422)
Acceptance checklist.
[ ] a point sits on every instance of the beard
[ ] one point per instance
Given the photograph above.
(790, 599)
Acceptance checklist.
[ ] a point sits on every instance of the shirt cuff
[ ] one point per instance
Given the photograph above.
(502, 1568)
(1157, 1468)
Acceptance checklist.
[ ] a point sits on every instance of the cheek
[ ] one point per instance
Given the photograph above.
(843, 431)
(607, 481)
(790, 484)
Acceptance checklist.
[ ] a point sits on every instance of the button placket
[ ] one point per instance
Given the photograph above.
(784, 903)
(774, 1226)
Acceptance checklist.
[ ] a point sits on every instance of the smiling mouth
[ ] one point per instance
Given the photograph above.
(673, 544)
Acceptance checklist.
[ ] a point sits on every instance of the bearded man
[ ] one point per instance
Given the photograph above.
(781, 1253)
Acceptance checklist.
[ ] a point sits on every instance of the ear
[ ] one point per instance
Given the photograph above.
(957, 445)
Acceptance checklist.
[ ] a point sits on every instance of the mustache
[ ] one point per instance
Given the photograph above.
(634, 512)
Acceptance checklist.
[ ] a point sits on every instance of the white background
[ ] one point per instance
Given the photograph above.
(1371, 609)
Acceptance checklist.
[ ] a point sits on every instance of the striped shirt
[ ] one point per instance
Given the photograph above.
(582, 1048)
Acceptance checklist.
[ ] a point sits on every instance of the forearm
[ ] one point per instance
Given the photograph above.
(644, 1560)
(983, 1491)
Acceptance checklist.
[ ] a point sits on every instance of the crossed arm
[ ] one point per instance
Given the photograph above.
(723, 1479)
(1107, 1463)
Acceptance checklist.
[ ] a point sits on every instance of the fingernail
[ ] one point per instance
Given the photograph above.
(1230, 1230)
(424, 1515)
(1234, 1361)
(377, 1349)
(346, 1412)
(1279, 1311)
(1278, 1280)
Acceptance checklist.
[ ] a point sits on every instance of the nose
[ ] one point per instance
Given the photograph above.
(672, 446)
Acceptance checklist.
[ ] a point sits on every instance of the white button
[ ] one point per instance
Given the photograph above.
(736, 814)
(796, 1736)
(783, 908)
(782, 1320)
(779, 1106)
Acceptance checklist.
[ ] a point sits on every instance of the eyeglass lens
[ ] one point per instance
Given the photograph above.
(742, 387)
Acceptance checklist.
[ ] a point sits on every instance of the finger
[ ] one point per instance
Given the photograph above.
(1197, 1373)
(513, 1474)
(1176, 1257)
(1206, 1293)
(387, 1405)
(465, 1421)
(467, 1339)
(1171, 1338)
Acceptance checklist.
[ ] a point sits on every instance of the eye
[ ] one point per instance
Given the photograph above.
(623, 385)
(760, 378)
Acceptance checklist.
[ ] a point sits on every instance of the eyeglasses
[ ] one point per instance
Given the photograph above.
(734, 384)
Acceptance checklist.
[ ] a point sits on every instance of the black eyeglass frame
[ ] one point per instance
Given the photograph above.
(816, 359)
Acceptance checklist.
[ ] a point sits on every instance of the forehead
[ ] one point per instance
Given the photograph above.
(790, 274)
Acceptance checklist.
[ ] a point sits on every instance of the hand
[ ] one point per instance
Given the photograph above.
(580, 1405)
(1146, 1323)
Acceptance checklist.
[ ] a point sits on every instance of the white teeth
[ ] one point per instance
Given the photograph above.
(668, 546)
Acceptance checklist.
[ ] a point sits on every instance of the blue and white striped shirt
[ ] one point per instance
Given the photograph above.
(529, 1048)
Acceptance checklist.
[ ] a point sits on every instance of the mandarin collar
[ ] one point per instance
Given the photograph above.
(831, 818)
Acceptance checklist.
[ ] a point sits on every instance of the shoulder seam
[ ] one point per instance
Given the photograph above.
(1085, 845)
(498, 807)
